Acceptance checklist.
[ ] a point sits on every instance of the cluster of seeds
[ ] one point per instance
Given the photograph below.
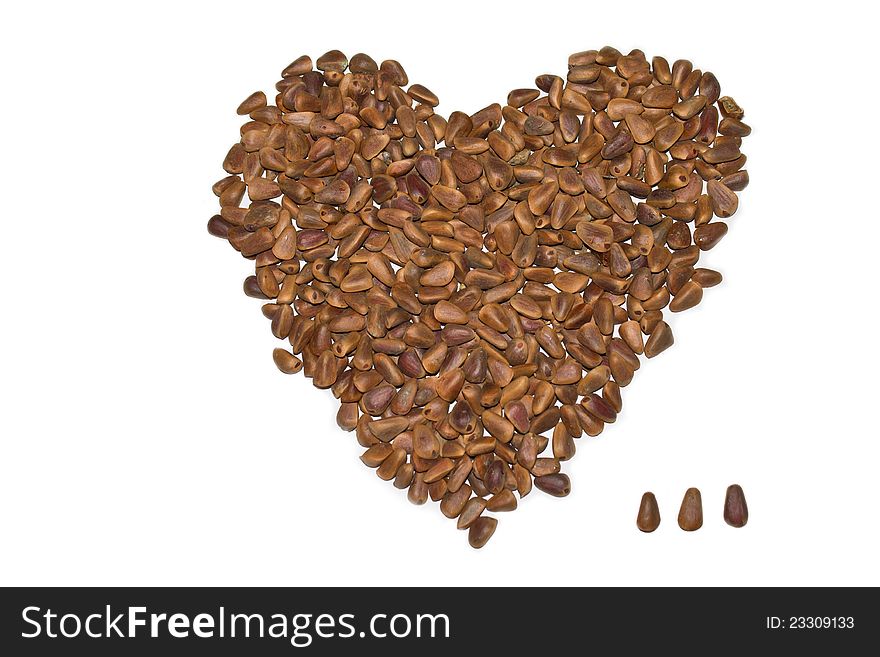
(478, 288)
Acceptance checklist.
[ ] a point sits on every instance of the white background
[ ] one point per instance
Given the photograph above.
(148, 439)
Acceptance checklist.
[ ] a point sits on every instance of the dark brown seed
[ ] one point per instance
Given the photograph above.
(724, 201)
(332, 60)
(690, 517)
(736, 182)
(426, 445)
(394, 72)
(481, 531)
(390, 466)
(537, 126)
(423, 95)
(733, 127)
(472, 510)
(496, 476)
(520, 97)
(453, 502)
(706, 277)
(599, 407)
(459, 473)
(388, 428)
(621, 142)
(253, 102)
(708, 235)
(449, 313)
(660, 67)
(642, 131)
(661, 96)
(404, 477)
(286, 362)
(558, 484)
(439, 470)
(709, 87)
(326, 370)
(660, 340)
(418, 490)
(736, 512)
(218, 227)
(503, 501)
(666, 136)
(260, 189)
(563, 442)
(500, 428)
(375, 454)
(599, 237)
(361, 63)
(649, 513)
(688, 296)
(376, 400)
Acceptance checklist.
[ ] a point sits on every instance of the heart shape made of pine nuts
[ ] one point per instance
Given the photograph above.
(466, 285)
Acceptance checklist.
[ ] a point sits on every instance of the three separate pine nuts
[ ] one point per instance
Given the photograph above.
(690, 515)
